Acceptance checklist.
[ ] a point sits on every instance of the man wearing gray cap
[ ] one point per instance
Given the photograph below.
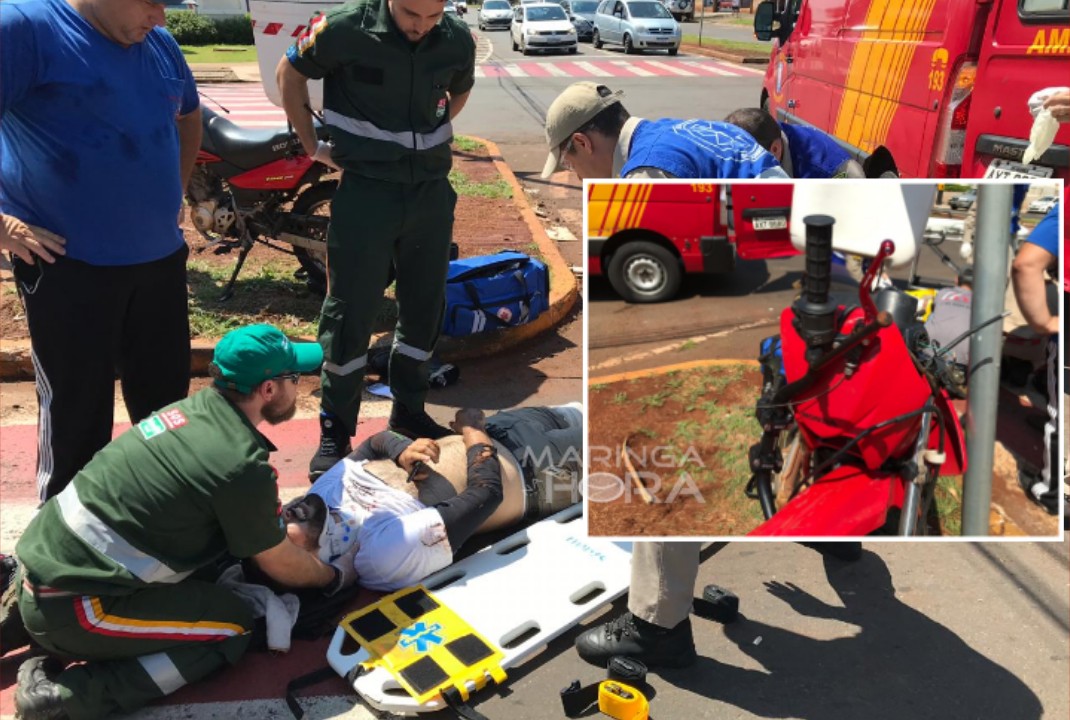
(588, 128)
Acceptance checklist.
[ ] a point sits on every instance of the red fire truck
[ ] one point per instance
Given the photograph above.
(645, 236)
(921, 88)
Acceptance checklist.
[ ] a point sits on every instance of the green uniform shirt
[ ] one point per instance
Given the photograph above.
(165, 498)
(384, 97)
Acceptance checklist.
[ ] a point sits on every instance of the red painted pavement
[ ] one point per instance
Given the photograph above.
(296, 441)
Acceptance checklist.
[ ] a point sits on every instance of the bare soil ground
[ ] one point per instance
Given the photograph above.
(267, 290)
(688, 434)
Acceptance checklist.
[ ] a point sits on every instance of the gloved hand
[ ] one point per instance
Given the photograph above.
(345, 571)
(323, 154)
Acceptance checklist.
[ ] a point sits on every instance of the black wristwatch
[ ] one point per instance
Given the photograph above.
(334, 585)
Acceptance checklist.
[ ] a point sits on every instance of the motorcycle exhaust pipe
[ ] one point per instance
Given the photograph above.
(815, 315)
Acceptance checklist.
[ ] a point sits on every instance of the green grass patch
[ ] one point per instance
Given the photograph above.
(729, 46)
(219, 53)
(948, 499)
(497, 189)
(620, 398)
(687, 345)
(467, 144)
(654, 401)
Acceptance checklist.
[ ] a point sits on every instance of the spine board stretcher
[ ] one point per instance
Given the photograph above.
(533, 585)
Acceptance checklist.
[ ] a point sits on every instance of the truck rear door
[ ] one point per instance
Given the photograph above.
(276, 26)
(761, 218)
(1026, 48)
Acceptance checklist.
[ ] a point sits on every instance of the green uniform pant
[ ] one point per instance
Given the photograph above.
(139, 647)
(376, 224)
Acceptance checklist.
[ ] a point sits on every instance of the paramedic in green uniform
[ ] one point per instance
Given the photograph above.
(395, 73)
(107, 566)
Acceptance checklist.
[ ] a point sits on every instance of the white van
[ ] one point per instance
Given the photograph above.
(276, 24)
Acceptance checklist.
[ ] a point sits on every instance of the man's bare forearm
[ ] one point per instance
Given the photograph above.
(293, 86)
(190, 131)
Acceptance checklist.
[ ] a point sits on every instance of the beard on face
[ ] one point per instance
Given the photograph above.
(279, 411)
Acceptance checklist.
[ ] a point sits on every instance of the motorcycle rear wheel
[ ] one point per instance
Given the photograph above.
(316, 200)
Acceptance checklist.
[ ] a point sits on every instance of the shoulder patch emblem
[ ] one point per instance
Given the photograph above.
(160, 423)
(308, 38)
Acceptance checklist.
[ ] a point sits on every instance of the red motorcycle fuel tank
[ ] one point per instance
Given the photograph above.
(281, 174)
(884, 385)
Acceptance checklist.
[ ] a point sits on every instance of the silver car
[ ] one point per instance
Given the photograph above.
(495, 14)
(638, 25)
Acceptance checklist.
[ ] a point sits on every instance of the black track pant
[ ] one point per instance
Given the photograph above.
(88, 324)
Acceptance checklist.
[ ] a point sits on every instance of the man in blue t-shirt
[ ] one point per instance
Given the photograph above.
(803, 151)
(1034, 263)
(589, 129)
(99, 130)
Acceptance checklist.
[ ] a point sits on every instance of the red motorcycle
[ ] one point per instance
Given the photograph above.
(251, 186)
(856, 415)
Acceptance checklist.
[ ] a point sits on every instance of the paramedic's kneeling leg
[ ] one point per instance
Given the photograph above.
(111, 567)
(519, 463)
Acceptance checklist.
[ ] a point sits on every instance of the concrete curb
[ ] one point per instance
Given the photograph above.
(16, 362)
(663, 369)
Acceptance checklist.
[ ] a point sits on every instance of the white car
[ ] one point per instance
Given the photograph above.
(450, 8)
(495, 14)
(1043, 205)
(542, 26)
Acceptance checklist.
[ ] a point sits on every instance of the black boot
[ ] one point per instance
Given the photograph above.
(334, 445)
(37, 695)
(632, 637)
(415, 424)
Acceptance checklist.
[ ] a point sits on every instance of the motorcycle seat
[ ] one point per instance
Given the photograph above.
(243, 147)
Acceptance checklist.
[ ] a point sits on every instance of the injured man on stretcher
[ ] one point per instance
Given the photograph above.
(409, 505)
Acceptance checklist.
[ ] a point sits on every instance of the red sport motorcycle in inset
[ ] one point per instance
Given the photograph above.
(857, 421)
(252, 186)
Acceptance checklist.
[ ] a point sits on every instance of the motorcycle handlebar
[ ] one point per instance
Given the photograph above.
(818, 258)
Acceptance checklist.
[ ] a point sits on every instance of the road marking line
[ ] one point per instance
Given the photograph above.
(669, 68)
(514, 71)
(708, 67)
(554, 70)
(632, 68)
(592, 69)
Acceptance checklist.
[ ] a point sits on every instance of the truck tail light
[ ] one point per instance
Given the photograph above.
(951, 131)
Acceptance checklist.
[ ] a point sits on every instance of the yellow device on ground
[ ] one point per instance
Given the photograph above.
(424, 645)
(621, 701)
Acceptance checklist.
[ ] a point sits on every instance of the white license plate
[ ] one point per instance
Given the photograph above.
(770, 223)
(1006, 169)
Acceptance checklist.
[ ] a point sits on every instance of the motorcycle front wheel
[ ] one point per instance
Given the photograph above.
(315, 201)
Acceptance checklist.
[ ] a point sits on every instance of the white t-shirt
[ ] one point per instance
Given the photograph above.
(402, 541)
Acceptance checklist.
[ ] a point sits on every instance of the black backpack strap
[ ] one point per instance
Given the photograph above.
(525, 305)
(313, 678)
(454, 700)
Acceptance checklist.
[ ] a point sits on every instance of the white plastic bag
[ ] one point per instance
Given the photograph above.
(1041, 136)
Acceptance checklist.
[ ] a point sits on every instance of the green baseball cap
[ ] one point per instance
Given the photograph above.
(252, 354)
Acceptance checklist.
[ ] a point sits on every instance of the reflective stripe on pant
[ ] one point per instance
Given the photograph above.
(87, 324)
(139, 647)
(375, 224)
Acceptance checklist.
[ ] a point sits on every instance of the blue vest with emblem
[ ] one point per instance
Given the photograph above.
(698, 149)
(813, 153)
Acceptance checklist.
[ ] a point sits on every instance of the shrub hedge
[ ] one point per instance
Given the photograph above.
(192, 29)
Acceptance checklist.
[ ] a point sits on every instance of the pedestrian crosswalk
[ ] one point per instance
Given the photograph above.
(604, 67)
(249, 106)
